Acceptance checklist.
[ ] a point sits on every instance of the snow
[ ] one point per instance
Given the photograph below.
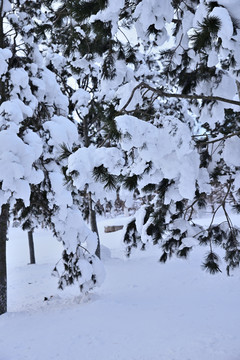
(62, 196)
(85, 159)
(233, 7)
(169, 150)
(227, 88)
(111, 13)
(16, 159)
(231, 151)
(4, 55)
(144, 310)
(6, 6)
(153, 12)
(15, 111)
(19, 77)
(53, 93)
(62, 131)
(81, 97)
(226, 30)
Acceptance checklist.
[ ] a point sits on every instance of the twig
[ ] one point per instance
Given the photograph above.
(124, 34)
(190, 207)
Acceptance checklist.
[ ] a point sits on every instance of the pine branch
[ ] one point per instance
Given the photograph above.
(65, 152)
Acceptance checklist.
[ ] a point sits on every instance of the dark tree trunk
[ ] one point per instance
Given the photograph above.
(3, 260)
(93, 225)
(85, 131)
(31, 247)
(2, 45)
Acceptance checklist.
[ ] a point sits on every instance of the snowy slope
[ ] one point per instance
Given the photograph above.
(143, 311)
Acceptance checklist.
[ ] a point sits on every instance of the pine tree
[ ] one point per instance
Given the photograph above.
(34, 124)
(17, 103)
(178, 123)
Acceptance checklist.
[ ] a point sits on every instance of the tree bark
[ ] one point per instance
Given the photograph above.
(3, 259)
(31, 247)
(2, 87)
(85, 131)
(93, 225)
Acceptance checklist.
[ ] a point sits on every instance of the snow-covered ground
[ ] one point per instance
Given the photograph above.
(144, 310)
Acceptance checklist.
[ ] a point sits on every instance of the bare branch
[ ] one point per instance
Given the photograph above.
(163, 94)
(237, 133)
(189, 97)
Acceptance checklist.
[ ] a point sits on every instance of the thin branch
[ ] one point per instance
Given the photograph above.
(199, 135)
(175, 49)
(9, 31)
(189, 97)
(104, 141)
(190, 207)
(222, 203)
(162, 93)
(124, 34)
(237, 133)
(214, 214)
(229, 221)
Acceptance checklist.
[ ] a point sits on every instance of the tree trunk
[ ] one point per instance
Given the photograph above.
(85, 131)
(3, 260)
(2, 45)
(31, 247)
(93, 224)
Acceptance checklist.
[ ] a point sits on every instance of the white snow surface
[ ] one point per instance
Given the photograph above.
(144, 310)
